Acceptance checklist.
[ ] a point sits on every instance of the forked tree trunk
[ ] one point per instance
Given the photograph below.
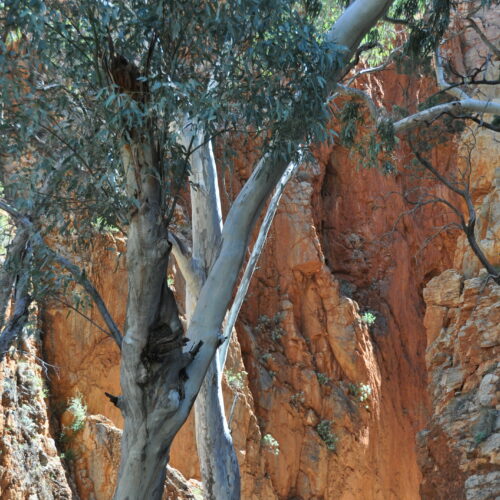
(218, 462)
(159, 381)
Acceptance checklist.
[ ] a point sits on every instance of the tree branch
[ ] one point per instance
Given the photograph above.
(441, 81)
(360, 94)
(80, 278)
(436, 173)
(83, 315)
(15, 324)
(218, 288)
(252, 261)
(469, 227)
(7, 270)
(356, 21)
(18, 320)
(374, 69)
(483, 37)
(73, 269)
(430, 114)
(190, 272)
(216, 293)
(357, 55)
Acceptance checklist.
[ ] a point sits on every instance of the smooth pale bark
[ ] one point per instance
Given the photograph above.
(218, 462)
(152, 358)
(467, 105)
(456, 92)
(252, 261)
(455, 107)
(216, 293)
(356, 21)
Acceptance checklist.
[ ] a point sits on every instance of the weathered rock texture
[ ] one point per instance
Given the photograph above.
(89, 360)
(342, 398)
(459, 449)
(30, 465)
(96, 457)
(89, 364)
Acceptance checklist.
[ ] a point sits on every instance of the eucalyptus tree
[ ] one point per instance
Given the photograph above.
(108, 110)
(113, 89)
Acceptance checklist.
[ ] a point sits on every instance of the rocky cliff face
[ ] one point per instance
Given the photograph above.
(358, 333)
(327, 381)
(459, 449)
(30, 464)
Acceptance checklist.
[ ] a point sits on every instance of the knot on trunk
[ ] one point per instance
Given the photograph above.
(166, 334)
(162, 341)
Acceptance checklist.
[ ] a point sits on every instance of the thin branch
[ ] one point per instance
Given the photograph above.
(83, 315)
(44, 365)
(360, 94)
(455, 107)
(442, 83)
(231, 411)
(469, 227)
(78, 274)
(393, 20)
(357, 55)
(440, 230)
(483, 37)
(437, 174)
(252, 261)
(431, 201)
(375, 69)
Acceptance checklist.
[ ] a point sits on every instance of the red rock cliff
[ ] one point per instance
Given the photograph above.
(355, 336)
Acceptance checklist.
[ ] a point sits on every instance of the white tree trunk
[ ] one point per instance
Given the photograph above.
(252, 262)
(218, 462)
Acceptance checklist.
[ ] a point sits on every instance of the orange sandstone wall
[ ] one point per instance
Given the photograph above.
(344, 400)
(317, 374)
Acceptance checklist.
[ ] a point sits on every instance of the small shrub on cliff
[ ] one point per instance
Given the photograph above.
(79, 411)
(322, 378)
(235, 380)
(324, 430)
(368, 318)
(271, 444)
(297, 400)
(361, 392)
(271, 326)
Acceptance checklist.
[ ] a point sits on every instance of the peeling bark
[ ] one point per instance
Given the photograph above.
(153, 361)
(7, 271)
